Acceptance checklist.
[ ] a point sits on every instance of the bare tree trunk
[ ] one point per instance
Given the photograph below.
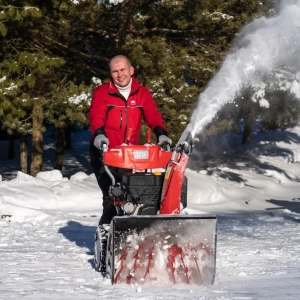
(60, 147)
(37, 141)
(11, 147)
(250, 114)
(249, 123)
(24, 153)
(68, 139)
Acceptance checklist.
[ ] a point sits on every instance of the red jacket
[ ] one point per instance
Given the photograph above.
(112, 115)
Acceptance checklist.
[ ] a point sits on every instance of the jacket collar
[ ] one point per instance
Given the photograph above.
(134, 87)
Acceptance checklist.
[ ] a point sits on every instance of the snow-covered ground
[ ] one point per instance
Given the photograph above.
(48, 223)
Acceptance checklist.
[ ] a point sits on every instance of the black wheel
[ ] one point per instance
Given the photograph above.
(97, 250)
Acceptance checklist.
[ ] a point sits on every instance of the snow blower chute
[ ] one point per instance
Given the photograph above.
(151, 240)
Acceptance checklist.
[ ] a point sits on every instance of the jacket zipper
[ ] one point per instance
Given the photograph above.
(126, 114)
(121, 119)
(126, 122)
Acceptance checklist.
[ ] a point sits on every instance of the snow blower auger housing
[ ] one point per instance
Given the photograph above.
(149, 241)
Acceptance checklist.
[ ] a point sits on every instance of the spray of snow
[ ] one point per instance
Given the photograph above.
(263, 45)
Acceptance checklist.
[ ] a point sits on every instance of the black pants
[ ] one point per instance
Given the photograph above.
(104, 181)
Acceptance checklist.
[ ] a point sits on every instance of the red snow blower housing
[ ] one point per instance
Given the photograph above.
(151, 240)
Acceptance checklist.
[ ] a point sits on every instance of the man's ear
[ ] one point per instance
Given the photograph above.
(131, 70)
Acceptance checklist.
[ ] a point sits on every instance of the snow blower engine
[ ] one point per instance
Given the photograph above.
(139, 191)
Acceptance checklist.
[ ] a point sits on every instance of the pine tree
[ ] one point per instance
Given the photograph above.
(17, 81)
(34, 72)
(54, 48)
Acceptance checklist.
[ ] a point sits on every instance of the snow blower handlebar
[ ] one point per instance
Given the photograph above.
(106, 168)
(143, 157)
(136, 157)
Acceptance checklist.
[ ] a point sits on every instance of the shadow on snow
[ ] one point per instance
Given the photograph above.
(226, 151)
(81, 235)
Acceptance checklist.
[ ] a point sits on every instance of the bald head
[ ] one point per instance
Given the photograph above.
(121, 70)
(120, 58)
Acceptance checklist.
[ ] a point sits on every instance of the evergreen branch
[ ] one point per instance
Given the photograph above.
(68, 48)
(157, 29)
(99, 32)
(92, 69)
(136, 32)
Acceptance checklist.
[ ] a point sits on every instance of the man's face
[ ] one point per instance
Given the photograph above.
(121, 71)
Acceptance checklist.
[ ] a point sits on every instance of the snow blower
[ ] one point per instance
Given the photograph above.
(151, 240)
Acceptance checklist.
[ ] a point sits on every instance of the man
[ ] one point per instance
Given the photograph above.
(117, 106)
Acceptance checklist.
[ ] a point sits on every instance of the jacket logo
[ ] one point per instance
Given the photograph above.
(133, 102)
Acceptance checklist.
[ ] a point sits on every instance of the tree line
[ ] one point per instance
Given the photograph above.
(54, 53)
